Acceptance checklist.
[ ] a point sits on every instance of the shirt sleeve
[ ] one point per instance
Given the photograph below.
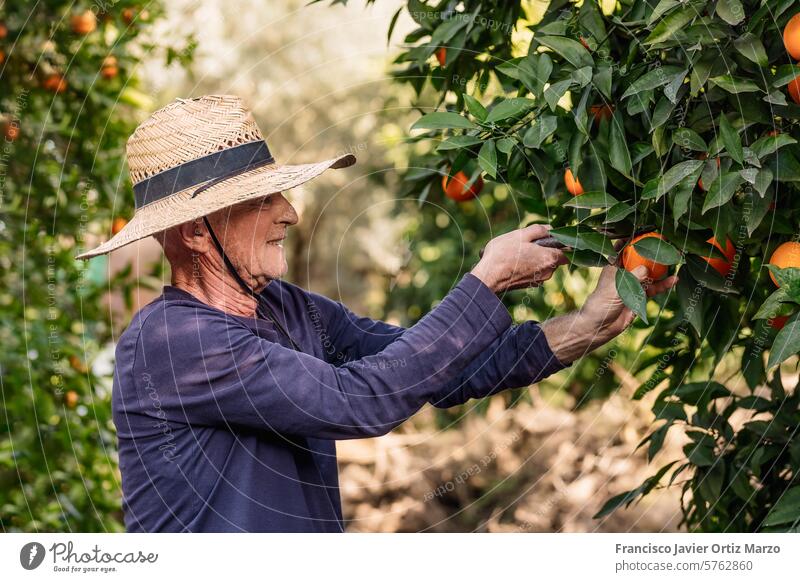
(204, 368)
(520, 356)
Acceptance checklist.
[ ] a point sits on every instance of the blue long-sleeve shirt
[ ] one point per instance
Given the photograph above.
(223, 427)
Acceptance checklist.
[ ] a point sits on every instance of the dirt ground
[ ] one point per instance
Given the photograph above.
(532, 468)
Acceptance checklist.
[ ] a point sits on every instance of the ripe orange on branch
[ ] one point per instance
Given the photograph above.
(786, 255)
(720, 265)
(109, 68)
(794, 89)
(791, 37)
(10, 130)
(572, 183)
(632, 259)
(456, 189)
(55, 83)
(84, 23)
(3, 30)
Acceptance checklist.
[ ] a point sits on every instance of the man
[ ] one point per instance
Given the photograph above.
(232, 387)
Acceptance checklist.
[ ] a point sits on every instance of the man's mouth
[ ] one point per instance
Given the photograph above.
(278, 242)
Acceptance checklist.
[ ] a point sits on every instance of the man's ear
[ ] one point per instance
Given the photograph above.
(194, 235)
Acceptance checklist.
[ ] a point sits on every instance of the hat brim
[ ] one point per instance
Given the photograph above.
(180, 207)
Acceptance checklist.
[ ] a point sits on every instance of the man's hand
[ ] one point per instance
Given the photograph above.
(514, 261)
(604, 308)
(602, 318)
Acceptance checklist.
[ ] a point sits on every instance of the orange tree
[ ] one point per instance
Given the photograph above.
(616, 117)
(68, 104)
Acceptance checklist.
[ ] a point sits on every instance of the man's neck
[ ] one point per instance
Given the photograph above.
(218, 290)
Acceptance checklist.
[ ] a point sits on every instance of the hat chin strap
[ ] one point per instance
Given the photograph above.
(261, 309)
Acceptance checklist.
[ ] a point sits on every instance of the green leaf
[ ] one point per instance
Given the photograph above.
(555, 91)
(632, 293)
(706, 275)
(734, 84)
(785, 74)
(510, 108)
(700, 454)
(731, 11)
(653, 79)
(542, 128)
(572, 51)
(677, 173)
(584, 239)
(769, 144)
(693, 393)
(731, 139)
(591, 200)
(751, 47)
(474, 106)
(457, 142)
(619, 156)
(618, 212)
(443, 120)
(658, 250)
(671, 24)
(772, 304)
(447, 30)
(689, 139)
(787, 342)
(661, 8)
(506, 145)
(721, 190)
(487, 158)
(787, 508)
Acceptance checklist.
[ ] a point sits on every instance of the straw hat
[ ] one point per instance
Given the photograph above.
(196, 156)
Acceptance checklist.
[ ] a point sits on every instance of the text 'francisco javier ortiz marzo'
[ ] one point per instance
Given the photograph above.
(694, 549)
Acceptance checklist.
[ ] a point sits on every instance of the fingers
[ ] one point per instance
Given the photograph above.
(661, 286)
(535, 231)
(557, 257)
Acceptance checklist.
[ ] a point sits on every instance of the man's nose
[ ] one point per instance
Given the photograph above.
(287, 215)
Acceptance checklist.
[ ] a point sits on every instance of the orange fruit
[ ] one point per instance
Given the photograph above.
(632, 259)
(128, 15)
(778, 321)
(572, 183)
(109, 69)
(2, 57)
(456, 189)
(118, 224)
(77, 365)
(3, 30)
(791, 36)
(722, 266)
(11, 130)
(84, 23)
(441, 56)
(601, 111)
(55, 83)
(786, 255)
(794, 89)
(71, 399)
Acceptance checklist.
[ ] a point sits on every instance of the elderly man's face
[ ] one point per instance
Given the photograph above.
(252, 234)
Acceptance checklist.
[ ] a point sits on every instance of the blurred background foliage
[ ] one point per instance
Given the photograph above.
(69, 99)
